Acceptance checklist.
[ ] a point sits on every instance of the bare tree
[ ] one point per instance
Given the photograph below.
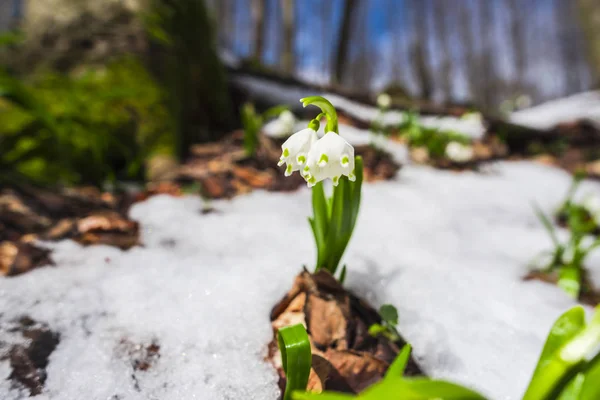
(258, 24)
(418, 48)
(440, 15)
(486, 73)
(589, 12)
(465, 27)
(519, 40)
(288, 22)
(343, 43)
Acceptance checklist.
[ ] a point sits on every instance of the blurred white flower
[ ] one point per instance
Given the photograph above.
(384, 100)
(330, 157)
(592, 204)
(294, 151)
(459, 152)
(283, 126)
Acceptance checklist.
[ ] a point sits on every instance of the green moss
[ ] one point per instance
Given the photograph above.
(94, 125)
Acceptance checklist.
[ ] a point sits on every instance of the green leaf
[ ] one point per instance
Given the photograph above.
(389, 314)
(591, 386)
(550, 368)
(320, 222)
(321, 396)
(569, 280)
(343, 275)
(418, 389)
(573, 389)
(396, 369)
(547, 224)
(296, 357)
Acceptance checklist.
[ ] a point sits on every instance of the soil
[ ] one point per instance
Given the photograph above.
(224, 170)
(345, 357)
(29, 361)
(587, 295)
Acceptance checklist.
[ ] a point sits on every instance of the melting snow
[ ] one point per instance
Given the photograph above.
(448, 249)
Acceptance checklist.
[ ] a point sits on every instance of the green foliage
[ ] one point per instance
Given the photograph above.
(334, 218)
(253, 122)
(434, 140)
(296, 357)
(93, 126)
(387, 328)
(566, 369)
(568, 258)
(395, 386)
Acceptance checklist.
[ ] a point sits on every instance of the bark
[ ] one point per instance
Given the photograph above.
(343, 44)
(418, 50)
(288, 26)
(441, 12)
(519, 41)
(487, 74)
(589, 14)
(468, 46)
(258, 24)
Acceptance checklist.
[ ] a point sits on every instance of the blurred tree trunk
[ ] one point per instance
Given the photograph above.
(418, 50)
(567, 44)
(343, 43)
(258, 23)
(192, 71)
(287, 52)
(519, 41)
(487, 75)
(589, 12)
(465, 28)
(440, 15)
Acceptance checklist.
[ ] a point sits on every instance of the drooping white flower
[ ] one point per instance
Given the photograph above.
(459, 152)
(384, 100)
(294, 151)
(330, 157)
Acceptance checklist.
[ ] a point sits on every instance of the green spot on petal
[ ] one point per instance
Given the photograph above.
(323, 159)
(301, 159)
(286, 152)
(289, 168)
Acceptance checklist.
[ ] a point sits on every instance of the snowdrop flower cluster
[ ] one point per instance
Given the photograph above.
(328, 157)
(459, 152)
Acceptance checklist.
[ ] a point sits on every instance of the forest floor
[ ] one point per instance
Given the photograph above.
(185, 315)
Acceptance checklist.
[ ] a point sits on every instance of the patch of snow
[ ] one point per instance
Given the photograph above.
(289, 94)
(448, 249)
(582, 106)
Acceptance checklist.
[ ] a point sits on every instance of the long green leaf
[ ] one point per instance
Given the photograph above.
(591, 386)
(550, 369)
(569, 280)
(296, 357)
(396, 370)
(418, 389)
(321, 222)
(547, 224)
(321, 396)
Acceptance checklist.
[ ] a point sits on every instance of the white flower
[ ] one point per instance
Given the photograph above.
(459, 152)
(283, 126)
(384, 100)
(295, 150)
(592, 204)
(330, 157)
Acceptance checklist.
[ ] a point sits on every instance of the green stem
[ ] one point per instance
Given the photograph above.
(327, 108)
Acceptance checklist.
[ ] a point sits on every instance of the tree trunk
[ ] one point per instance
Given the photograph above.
(440, 14)
(589, 12)
(468, 46)
(487, 86)
(287, 59)
(519, 42)
(418, 50)
(258, 24)
(343, 44)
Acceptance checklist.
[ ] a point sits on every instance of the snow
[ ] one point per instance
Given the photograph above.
(448, 249)
(289, 94)
(582, 106)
